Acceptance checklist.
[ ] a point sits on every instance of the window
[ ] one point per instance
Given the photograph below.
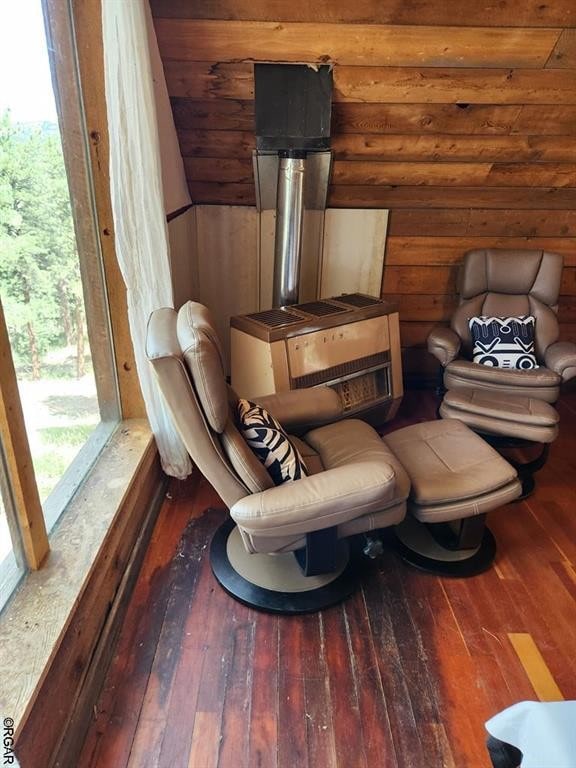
(51, 280)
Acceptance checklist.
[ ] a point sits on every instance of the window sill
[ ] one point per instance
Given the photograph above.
(37, 617)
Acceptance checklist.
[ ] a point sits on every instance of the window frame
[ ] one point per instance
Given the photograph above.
(73, 60)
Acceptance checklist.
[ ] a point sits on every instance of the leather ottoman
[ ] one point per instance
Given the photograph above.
(456, 478)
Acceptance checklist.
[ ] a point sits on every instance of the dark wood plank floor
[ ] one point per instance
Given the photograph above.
(403, 674)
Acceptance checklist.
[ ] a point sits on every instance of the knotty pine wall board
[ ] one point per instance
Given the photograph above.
(375, 196)
(458, 222)
(355, 44)
(490, 13)
(440, 251)
(460, 119)
(384, 84)
(443, 280)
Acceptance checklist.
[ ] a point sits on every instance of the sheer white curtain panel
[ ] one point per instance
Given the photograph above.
(138, 199)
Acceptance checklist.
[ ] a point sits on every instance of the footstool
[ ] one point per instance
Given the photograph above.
(456, 478)
(506, 421)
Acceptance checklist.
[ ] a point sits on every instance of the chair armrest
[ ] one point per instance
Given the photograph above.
(561, 358)
(319, 501)
(301, 409)
(444, 344)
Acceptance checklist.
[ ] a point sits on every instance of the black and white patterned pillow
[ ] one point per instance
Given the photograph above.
(270, 443)
(504, 342)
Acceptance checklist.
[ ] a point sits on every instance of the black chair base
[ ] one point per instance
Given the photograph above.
(525, 469)
(244, 577)
(435, 550)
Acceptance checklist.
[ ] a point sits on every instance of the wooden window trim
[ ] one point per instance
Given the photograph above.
(16, 449)
(87, 33)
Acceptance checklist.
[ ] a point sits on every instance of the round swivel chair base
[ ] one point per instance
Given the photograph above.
(417, 546)
(275, 583)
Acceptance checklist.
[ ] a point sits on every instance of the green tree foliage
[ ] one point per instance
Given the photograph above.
(39, 273)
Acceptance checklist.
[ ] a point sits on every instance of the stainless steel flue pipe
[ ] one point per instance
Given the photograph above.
(289, 220)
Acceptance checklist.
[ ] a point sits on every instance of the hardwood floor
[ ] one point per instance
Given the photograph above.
(403, 674)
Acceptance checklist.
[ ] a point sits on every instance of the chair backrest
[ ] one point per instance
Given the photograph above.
(510, 283)
(185, 353)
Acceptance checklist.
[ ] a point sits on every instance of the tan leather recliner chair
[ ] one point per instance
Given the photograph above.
(355, 484)
(507, 283)
(507, 406)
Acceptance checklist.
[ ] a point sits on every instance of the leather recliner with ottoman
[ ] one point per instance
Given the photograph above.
(285, 547)
(506, 397)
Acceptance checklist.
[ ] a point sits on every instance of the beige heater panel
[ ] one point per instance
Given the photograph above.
(350, 342)
(258, 367)
(318, 351)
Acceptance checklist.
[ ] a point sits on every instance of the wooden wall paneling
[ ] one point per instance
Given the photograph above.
(564, 54)
(418, 85)
(354, 44)
(429, 174)
(237, 170)
(414, 334)
(385, 196)
(394, 84)
(458, 222)
(548, 120)
(228, 267)
(353, 252)
(349, 172)
(182, 237)
(221, 112)
(568, 285)
(211, 79)
(406, 251)
(217, 143)
(220, 143)
(425, 308)
(222, 194)
(492, 13)
(460, 118)
(418, 279)
(216, 114)
(426, 148)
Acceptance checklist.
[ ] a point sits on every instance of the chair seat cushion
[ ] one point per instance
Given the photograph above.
(349, 441)
(448, 463)
(538, 377)
(539, 382)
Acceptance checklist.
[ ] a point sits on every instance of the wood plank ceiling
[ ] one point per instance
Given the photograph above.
(458, 117)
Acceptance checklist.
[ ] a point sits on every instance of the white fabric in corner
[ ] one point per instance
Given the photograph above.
(137, 200)
(545, 732)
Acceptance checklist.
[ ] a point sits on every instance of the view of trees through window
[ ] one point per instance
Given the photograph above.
(42, 297)
(40, 283)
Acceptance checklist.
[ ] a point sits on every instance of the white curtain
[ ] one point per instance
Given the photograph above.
(138, 199)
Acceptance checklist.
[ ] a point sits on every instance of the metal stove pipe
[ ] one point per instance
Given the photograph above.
(288, 238)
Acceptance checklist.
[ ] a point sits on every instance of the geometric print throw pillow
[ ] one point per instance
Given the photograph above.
(270, 443)
(504, 342)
